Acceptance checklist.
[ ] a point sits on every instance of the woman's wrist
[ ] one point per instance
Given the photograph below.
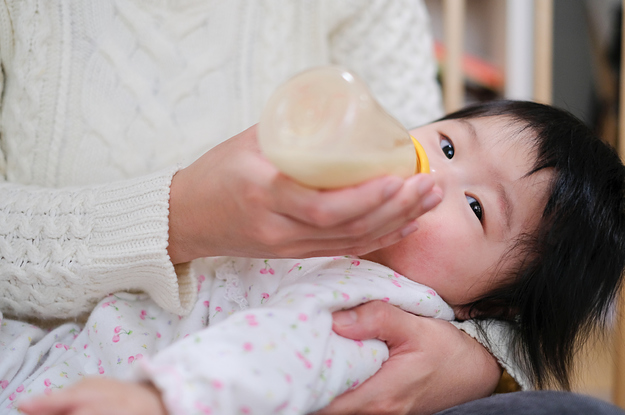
(179, 245)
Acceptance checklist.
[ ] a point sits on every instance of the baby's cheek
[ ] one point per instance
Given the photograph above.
(434, 257)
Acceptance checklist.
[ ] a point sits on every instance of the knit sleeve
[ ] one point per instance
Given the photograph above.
(61, 250)
(389, 44)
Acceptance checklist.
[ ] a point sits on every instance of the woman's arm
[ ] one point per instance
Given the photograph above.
(432, 365)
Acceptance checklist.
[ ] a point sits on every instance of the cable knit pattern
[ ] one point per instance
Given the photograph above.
(369, 44)
(97, 96)
(64, 249)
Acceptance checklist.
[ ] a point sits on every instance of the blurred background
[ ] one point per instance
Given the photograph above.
(498, 54)
(499, 41)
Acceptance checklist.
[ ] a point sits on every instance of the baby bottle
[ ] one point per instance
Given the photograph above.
(324, 129)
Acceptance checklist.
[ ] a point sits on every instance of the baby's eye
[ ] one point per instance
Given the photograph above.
(447, 147)
(475, 207)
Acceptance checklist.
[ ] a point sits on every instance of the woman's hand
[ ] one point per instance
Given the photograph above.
(232, 201)
(99, 396)
(432, 365)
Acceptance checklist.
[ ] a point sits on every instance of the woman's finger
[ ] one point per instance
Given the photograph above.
(361, 208)
(426, 358)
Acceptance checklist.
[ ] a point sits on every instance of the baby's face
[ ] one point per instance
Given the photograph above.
(480, 166)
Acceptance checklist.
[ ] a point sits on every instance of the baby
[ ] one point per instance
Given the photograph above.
(530, 230)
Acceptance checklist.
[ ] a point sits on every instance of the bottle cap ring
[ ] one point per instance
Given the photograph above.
(423, 165)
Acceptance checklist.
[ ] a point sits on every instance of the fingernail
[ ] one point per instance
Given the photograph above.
(344, 318)
(425, 185)
(430, 201)
(392, 187)
(407, 230)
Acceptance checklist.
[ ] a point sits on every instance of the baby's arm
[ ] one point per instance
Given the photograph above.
(99, 396)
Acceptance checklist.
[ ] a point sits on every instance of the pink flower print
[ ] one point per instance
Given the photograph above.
(355, 262)
(217, 384)
(62, 346)
(118, 332)
(133, 358)
(4, 384)
(302, 317)
(49, 386)
(100, 368)
(110, 304)
(386, 299)
(396, 275)
(158, 335)
(345, 296)
(396, 283)
(247, 346)
(143, 314)
(251, 320)
(288, 378)
(20, 389)
(354, 384)
(264, 297)
(359, 343)
(267, 269)
(200, 280)
(217, 311)
(328, 363)
(12, 396)
(245, 410)
(206, 410)
(207, 304)
(297, 265)
(431, 292)
(304, 360)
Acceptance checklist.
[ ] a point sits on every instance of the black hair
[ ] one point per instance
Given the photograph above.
(570, 267)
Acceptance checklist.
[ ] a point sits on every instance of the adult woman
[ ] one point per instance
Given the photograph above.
(103, 101)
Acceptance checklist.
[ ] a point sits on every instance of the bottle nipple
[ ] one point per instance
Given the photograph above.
(324, 129)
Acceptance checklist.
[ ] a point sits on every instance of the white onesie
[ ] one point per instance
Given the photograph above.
(258, 340)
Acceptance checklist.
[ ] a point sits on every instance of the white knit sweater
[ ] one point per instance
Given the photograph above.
(102, 99)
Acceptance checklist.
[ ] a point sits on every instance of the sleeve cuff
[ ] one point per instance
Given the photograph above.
(128, 242)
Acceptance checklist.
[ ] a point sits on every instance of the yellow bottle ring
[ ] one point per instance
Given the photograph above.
(423, 165)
